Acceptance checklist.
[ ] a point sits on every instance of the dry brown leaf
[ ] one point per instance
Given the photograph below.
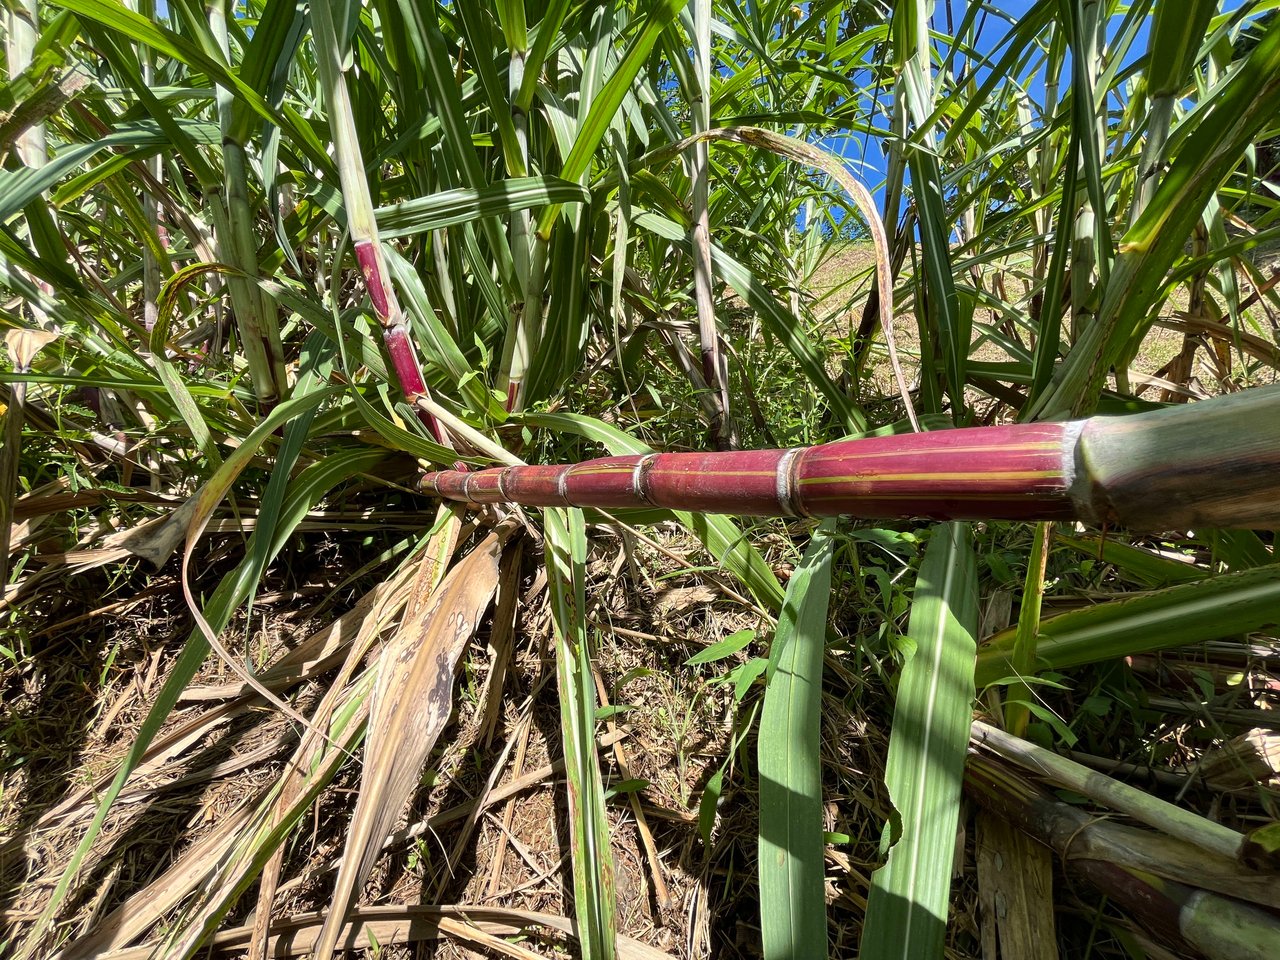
(1015, 890)
(297, 936)
(430, 570)
(156, 540)
(1243, 761)
(24, 344)
(143, 910)
(198, 868)
(680, 600)
(411, 703)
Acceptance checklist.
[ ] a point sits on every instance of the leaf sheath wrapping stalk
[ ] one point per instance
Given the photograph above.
(1214, 463)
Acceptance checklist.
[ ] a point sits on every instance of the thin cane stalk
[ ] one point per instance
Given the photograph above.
(714, 370)
(1177, 30)
(151, 266)
(22, 31)
(515, 356)
(255, 314)
(360, 214)
(23, 23)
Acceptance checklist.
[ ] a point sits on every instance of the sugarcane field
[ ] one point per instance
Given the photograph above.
(640, 480)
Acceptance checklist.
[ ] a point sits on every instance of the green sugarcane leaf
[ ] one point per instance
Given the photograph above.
(722, 648)
(314, 369)
(1238, 549)
(593, 887)
(180, 395)
(116, 383)
(1050, 329)
(1244, 105)
(793, 908)
(474, 21)
(515, 30)
(603, 112)
(1019, 44)
(322, 317)
(76, 187)
(953, 324)
(1178, 29)
(119, 19)
(907, 906)
(1028, 629)
(707, 806)
(457, 144)
(1136, 563)
(23, 186)
(465, 205)
(548, 33)
(1141, 623)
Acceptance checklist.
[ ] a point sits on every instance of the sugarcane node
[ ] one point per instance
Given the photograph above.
(640, 477)
(562, 485)
(788, 478)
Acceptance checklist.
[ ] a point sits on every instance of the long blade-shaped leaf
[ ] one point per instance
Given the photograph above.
(1140, 623)
(412, 701)
(793, 914)
(592, 127)
(907, 907)
(593, 890)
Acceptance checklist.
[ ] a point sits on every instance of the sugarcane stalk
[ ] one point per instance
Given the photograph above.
(360, 217)
(516, 346)
(1186, 896)
(1215, 463)
(715, 371)
(255, 313)
(23, 23)
(1177, 31)
(1169, 818)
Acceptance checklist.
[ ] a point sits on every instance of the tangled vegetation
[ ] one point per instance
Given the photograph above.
(264, 264)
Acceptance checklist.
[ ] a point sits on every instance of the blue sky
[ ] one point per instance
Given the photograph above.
(865, 157)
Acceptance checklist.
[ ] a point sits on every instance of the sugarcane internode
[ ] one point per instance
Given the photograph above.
(1215, 463)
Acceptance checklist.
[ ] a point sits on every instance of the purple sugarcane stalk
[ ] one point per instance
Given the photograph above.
(1214, 463)
(361, 219)
(395, 334)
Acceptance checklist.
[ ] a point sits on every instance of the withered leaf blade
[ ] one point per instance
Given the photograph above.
(412, 701)
(1015, 891)
(24, 344)
(427, 575)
